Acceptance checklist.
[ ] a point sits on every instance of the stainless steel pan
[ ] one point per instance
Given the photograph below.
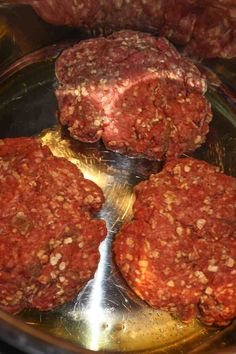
(106, 316)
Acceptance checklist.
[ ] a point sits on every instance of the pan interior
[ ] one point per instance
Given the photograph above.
(106, 315)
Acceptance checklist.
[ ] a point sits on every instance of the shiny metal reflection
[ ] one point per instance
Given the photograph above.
(106, 314)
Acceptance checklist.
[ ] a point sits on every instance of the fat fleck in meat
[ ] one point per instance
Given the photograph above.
(207, 28)
(179, 251)
(134, 91)
(48, 237)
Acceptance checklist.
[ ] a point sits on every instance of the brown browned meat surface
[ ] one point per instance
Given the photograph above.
(206, 28)
(134, 91)
(179, 251)
(48, 237)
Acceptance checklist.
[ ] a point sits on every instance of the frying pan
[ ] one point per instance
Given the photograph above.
(105, 317)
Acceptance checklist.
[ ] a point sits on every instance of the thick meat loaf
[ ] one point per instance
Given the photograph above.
(48, 237)
(179, 251)
(134, 91)
(206, 27)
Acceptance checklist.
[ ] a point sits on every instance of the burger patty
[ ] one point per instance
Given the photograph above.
(134, 91)
(48, 237)
(207, 28)
(179, 251)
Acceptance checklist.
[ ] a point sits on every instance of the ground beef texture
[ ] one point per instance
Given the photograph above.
(179, 251)
(135, 92)
(49, 238)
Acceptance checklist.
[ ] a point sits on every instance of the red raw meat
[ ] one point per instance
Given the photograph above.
(134, 91)
(179, 251)
(206, 27)
(48, 238)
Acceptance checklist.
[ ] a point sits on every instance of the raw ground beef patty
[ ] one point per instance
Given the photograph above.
(134, 91)
(179, 251)
(207, 28)
(48, 237)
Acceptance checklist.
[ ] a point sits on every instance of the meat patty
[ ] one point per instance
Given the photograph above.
(206, 27)
(179, 251)
(48, 237)
(134, 91)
